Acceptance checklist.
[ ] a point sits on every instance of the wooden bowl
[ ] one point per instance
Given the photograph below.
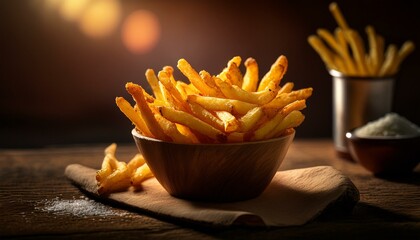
(214, 172)
(385, 155)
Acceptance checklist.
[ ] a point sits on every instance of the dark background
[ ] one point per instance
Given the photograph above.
(58, 85)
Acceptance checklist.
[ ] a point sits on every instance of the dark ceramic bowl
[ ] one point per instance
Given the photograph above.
(385, 155)
(214, 172)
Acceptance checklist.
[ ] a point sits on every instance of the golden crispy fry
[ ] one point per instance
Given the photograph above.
(195, 78)
(111, 149)
(153, 82)
(171, 130)
(165, 79)
(236, 137)
(137, 92)
(275, 74)
(250, 79)
(222, 104)
(343, 61)
(284, 99)
(140, 174)
(326, 55)
(234, 92)
(192, 122)
(168, 99)
(336, 12)
(210, 81)
(106, 169)
(231, 73)
(230, 123)
(170, 71)
(358, 50)
(117, 175)
(263, 132)
(131, 114)
(118, 180)
(248, 121)
(206, 116)
(186, 131)
(404, 51)
(373, 57)
(286, 88)
(135, 162)
(292, 120)
(391, 55)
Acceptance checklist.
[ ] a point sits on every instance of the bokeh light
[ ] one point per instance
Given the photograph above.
(72, 10)
(100, 18)
(140, 31)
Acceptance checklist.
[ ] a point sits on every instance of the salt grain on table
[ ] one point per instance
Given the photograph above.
(82, 207)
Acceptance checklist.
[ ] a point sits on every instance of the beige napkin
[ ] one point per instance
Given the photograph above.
(293, 198)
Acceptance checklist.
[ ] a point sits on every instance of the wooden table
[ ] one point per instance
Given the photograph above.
(31, 178)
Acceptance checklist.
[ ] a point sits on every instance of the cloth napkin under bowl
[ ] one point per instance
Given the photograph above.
(293, 198)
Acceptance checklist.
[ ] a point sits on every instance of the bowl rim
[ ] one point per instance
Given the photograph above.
(292, 133)
(352, 136)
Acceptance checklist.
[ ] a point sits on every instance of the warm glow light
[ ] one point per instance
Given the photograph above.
(53, 4)
(140, 31)
(100, 18)
(72, 10)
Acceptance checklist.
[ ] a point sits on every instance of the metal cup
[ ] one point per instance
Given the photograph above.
(356, 101)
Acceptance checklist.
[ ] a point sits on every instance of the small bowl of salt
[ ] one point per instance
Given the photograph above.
(389, 145)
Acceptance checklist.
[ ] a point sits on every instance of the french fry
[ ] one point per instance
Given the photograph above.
(222, 104)
(336, 12)
(326, 55)
(118, 180)
(337, 44)
(248, 121)
(358, 50)
(234, 92)
(286, 88)
(263, 132)
(135, 162)
(390, 60)
(231, 73)
(210, 81)
(206, 116)
(230, 123)
(250, 79)
(292, 120)
(275, 74)
(137, 92)
(165, 79)
(283, 99)
(404, 51)
(172, 131)
(193, 123)
(140, 175)
(117, 175)
(107, 167)
(170, 71)
(134, 117)
(195, 78)
(153, 82)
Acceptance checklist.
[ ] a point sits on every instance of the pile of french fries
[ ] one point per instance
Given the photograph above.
(230, 106)
(116, 175)
(344, 50)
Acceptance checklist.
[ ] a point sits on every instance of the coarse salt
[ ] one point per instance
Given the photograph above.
(390, 125)
(81, 207)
